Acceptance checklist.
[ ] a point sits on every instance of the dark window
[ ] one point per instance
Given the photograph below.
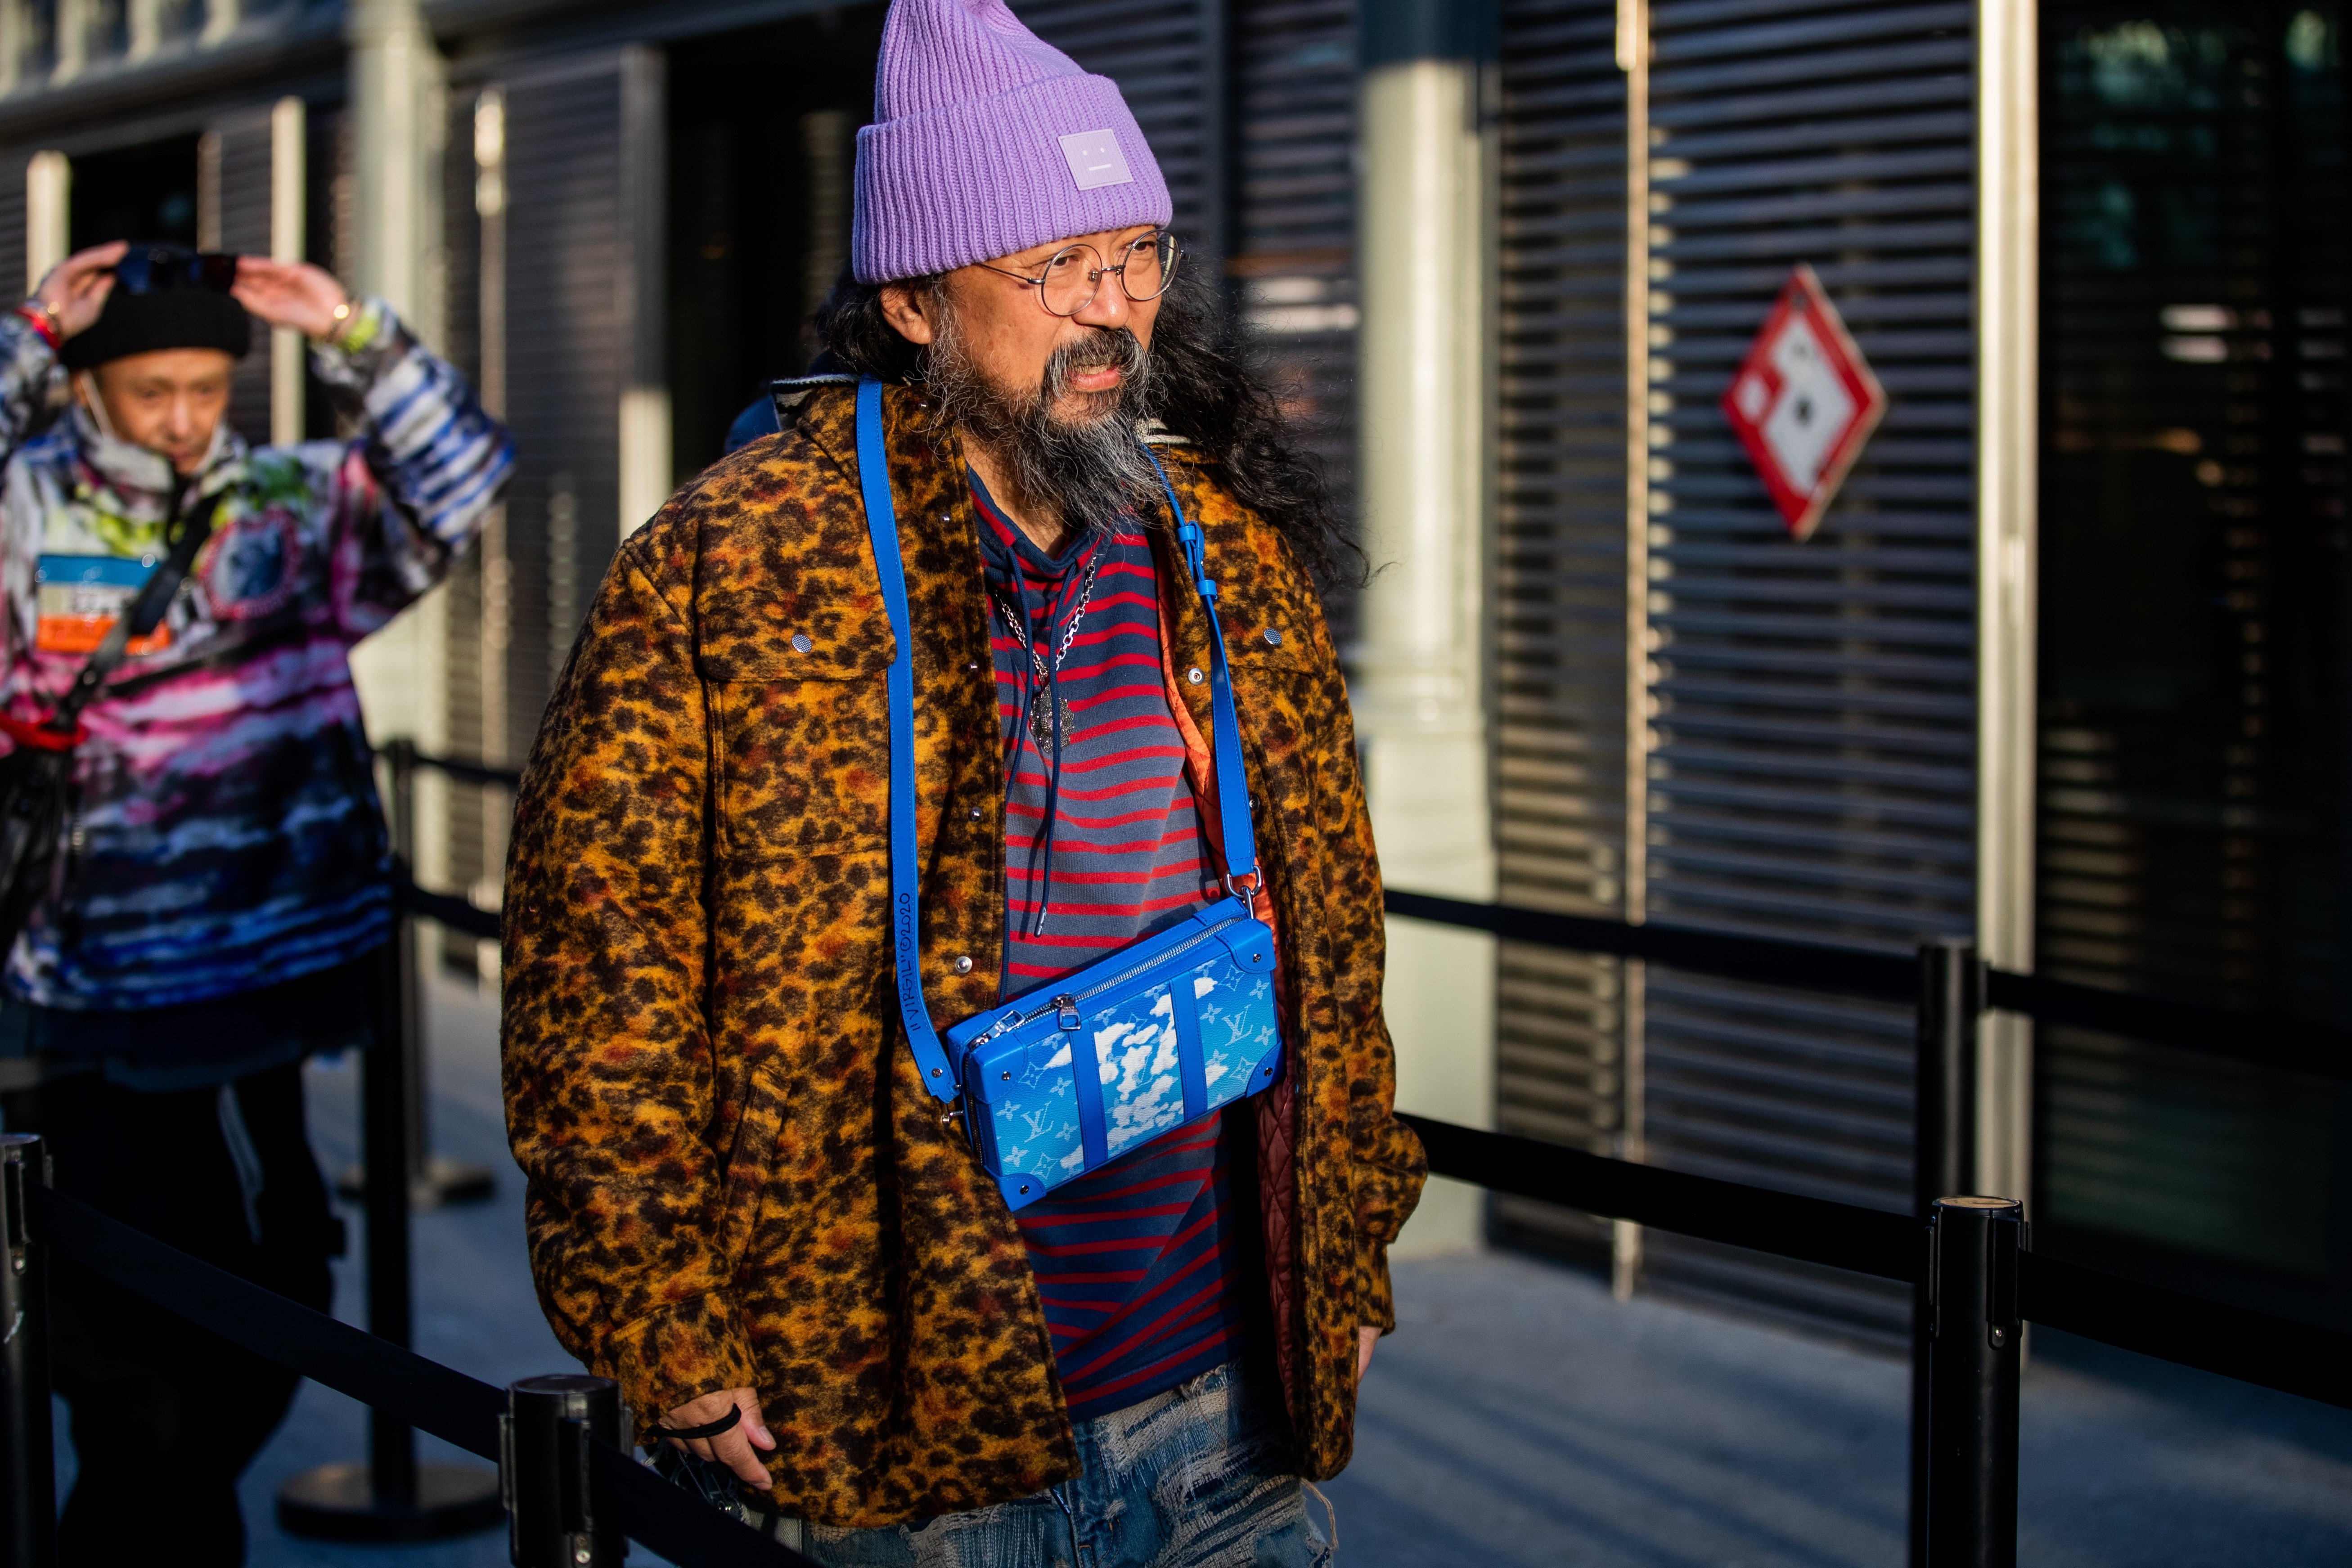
(762, 131)
(2193, 690)
(146, 192)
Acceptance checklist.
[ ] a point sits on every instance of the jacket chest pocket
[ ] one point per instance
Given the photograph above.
(803, 765)
(1271, 648)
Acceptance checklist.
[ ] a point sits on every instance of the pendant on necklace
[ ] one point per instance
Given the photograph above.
(1042, 708)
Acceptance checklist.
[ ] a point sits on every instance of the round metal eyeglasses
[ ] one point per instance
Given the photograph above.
(1067, 281)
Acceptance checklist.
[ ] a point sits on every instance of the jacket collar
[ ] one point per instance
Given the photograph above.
(140, 480)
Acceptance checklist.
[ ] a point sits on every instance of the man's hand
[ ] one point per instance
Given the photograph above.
(1365, 1340)
(76, 289)
(289, 294)
(733, 1447)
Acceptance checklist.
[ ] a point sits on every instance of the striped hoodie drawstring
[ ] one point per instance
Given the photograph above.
(1023, 736)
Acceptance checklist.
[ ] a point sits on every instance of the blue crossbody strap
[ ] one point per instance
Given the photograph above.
(906, 920)
(906, 925)
(1235, 817)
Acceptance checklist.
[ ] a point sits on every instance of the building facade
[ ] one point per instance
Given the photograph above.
(2063, 669)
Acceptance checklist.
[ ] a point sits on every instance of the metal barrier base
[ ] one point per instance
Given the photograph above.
(337, 1502)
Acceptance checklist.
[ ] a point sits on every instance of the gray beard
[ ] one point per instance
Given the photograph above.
(1090, 468)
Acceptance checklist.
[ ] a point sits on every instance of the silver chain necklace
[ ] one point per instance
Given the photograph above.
(1045, 705)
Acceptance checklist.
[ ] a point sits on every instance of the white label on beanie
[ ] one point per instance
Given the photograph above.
(1095, 160)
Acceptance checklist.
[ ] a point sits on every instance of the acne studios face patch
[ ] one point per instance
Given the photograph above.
(1095, 160)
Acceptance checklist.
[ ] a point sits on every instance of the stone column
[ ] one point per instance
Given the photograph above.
(2008, 552)
(398, 132)
(1424, 257)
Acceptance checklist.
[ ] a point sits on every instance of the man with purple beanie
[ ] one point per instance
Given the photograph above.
(745, 1203)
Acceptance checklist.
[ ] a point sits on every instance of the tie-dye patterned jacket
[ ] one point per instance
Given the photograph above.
(223, 833)
(737, 1178)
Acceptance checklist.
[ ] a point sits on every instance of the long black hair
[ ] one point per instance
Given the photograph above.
(1201, 387)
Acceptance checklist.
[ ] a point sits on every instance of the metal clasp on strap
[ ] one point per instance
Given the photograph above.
(1257, 880)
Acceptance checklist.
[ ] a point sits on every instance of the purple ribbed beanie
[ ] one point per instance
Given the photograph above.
(987, 140)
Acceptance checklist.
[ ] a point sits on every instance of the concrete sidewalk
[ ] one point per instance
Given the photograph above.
(1518, 1416)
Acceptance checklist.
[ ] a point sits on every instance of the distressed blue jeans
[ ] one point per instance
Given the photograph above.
(1199, 1476)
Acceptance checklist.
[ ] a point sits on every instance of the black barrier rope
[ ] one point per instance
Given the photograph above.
(2268, 1039)
(422, 1393)
(1815, 1230)
(471, 773)
(461, 768)
(2253, 1347)
(1816, 966)
(2265, 1040)
(459, 914)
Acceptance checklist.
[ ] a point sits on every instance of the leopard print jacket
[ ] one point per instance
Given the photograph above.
(736, 1178)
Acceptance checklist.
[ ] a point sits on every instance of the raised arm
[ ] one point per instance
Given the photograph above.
(67, 301)
(414, 490)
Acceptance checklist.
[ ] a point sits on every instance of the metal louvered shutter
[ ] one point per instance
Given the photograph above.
(1559, 581)
(564, 236)
(237, 147)
(1251, 110)
(1808, 763)
(1812, 768)
(12, 215)
(1294, 243)
(1166, 59)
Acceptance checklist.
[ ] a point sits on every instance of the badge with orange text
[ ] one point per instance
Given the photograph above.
(80, 595)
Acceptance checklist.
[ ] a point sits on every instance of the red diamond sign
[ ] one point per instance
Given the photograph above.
(1803, 402)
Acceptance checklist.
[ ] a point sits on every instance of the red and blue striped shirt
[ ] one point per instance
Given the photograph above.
(1142, 1264)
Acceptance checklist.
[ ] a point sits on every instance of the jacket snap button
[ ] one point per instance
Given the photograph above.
(1195, 677)
(975, 813)
(1274, 637)
(800, 643)
(963, 966)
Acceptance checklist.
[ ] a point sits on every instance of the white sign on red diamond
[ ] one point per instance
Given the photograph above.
(1803, 402)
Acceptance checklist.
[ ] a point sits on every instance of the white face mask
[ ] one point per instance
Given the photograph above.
(86, 383)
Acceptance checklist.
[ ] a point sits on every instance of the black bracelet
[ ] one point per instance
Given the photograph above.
(727, 1423)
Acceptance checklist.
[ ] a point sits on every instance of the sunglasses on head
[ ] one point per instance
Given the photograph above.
(152, 269)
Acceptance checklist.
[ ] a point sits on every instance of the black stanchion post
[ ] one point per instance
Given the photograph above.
(28, 1471)
(402, 755)
(1951, 1001)
(432, 1181)
(391, 1497)
(384, 1115)
(1974, 1362)
(555, 1517)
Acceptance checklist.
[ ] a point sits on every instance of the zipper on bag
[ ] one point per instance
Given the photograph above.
(1069, 1001)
